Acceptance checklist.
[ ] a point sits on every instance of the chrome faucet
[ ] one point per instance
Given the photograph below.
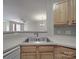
(36, 33)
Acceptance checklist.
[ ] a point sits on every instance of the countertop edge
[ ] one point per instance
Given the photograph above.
(4, 51)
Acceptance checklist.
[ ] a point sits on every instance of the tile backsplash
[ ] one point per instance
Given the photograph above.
(65, 30)
(22, 35)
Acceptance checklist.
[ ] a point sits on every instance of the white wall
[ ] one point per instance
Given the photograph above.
(34, 26)
(5, 25)
(50, 22)
(8, 25)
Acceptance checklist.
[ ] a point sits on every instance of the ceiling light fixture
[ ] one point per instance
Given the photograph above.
(42, 24)
(40, 17)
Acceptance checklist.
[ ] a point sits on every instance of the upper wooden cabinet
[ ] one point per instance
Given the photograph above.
(65, 12)
(60, 13)
(72, 11)
(28, 52)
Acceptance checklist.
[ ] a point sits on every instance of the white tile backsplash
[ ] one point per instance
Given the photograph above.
(22, 35)
(68, 32)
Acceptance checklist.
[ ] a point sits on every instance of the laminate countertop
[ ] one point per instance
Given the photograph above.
(68, 41)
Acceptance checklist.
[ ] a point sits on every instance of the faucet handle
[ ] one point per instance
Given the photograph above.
(36, 34)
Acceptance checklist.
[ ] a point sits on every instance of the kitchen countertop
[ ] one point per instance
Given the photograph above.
(11, 43)
(68, 41)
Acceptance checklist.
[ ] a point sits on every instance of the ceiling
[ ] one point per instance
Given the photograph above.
(24, 9)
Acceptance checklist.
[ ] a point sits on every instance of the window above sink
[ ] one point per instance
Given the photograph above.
(10, 26)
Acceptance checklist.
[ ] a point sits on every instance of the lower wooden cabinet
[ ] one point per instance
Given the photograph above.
(47, 52)
(46, 55)
(46, 49)
(64, 53)
(62, 56)
(28, 56)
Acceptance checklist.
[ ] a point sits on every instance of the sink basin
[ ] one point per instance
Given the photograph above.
(37, 39)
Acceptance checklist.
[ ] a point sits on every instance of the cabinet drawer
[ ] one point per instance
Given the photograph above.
(48, 55)
(28, 49)
(28, 56)
(62, 56)
(65, 51)
(46, 48)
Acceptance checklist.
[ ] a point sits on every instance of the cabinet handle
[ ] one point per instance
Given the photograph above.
(68, 53)
(67, 22)
(64, 53)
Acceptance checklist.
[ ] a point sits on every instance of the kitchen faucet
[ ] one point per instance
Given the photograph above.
(36, 33)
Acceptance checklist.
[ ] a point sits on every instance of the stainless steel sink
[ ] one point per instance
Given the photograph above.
(37, 39)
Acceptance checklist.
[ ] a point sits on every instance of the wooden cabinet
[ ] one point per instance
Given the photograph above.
(36, 52)
(60, 13)
(64, 53)
(62, 56)
(28, 52)
(71, 11)
(28, 49)
(47, 52)
(46, 49)
(46, 55)
(28, 56)
(65, 12)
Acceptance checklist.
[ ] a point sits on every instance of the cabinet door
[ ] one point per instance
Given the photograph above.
(46, 49)
(62, 56)
(72, 11)
(28, 49)
(65, 12)
(28, 56)
(46, 55)
(64, 53)
(60, 13)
